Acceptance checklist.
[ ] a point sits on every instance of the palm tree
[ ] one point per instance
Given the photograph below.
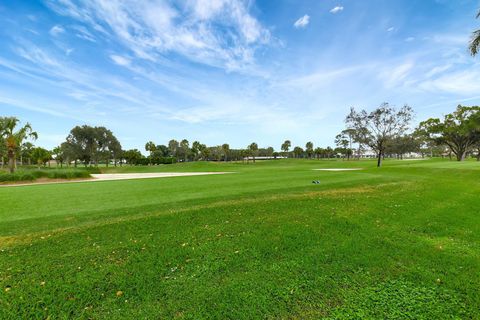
(285, 146)
(475, 42)
(226, 150)
(309, 149)
(14, 139)
(253, 148)
(150, 147)
(185, 146)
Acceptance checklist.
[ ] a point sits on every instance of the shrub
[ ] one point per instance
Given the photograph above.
(31, 175)
(68, 174)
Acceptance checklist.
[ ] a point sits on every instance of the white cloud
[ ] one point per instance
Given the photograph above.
(409, 39)
(390, 29)
(460, 83)
(220, 33)
(396, 76)
(437, 70)
(84, 34)
(302, 22)
(122, 61)
(37, 56)
(56, 30)
(337, 9)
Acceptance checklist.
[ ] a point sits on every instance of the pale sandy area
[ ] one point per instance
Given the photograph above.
(116, 176)
(338, 169)
(127, 176)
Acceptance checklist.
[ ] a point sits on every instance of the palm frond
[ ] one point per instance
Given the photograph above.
(475, 42)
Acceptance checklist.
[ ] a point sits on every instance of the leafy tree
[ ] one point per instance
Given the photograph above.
(204, 152)
(40, 156)
(13, 137)
(173, 147)
(133, 156)
(196, 146)
(107, 145)
(163, 149)
(458, 130)
(185, 149)
(343, 141)
(91, 144)
(269, 152)
(253, 149)
(26, 152)
(378, 127)
(318, 152)
(403, 144)
(297, 151)
(286, 146)
(475, 40)
(58, 153)
(114, 149)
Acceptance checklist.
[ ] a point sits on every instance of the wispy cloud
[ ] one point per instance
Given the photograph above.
(302, 22)
(219, 33)
(83, 33)
(337, 9)
(463, 82)
(122, 61)
(56, 30)
(395, 76)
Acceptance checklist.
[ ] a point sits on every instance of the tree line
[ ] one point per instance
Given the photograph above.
(385, 131)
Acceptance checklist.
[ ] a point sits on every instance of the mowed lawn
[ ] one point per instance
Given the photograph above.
(399, 242)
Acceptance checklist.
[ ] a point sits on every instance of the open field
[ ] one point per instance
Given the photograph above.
(402, 241)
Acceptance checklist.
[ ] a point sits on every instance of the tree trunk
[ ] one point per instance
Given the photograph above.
(461, 155)
(379, 160)
(11, 161)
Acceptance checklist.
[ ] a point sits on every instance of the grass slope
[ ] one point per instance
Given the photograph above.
(400, 242)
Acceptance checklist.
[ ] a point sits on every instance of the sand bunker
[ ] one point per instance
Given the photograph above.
(127, 176)
(116, 176)
(339, 169)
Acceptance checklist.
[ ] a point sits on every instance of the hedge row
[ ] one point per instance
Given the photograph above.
(32, 175)
(154, 161)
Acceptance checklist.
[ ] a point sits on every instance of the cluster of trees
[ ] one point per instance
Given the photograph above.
(385, 131)
(309, 152)
(458, 131)
(198, 151)
(89, 145)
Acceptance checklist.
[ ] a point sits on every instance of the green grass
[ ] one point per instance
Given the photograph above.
(400, 242)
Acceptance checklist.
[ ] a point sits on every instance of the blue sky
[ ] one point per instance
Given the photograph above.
(230, 70)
